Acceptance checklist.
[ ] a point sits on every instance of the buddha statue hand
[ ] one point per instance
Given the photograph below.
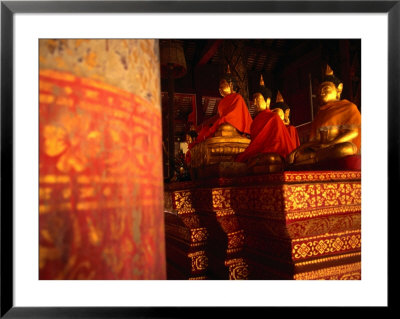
(311, 153)
(335, 151)
(265, 158)
(324, 138)
(304, 151)
(227, 130)
(266, 163)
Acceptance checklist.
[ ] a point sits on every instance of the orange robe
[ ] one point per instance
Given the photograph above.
(341, 113)
(293, 135)
(232, 109)
(268, 135)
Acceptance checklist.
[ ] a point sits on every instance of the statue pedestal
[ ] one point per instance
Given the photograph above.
(185, 238)
(288, 225)
(215, 156)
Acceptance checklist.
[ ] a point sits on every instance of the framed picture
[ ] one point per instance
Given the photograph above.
(23, 295)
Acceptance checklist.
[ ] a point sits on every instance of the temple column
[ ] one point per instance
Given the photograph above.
(100, 174)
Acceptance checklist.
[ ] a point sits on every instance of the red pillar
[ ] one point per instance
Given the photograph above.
(100, 174)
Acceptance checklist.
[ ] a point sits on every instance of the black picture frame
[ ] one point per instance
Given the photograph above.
(9, 8)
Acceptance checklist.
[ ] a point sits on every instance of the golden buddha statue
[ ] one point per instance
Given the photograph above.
(225, 87)
(336, 129)
(283, 110)
(217, 145)
(232, 109)
(262, 99)
(270, 140)
(280, 113)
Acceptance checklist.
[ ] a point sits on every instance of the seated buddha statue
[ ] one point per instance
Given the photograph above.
(283, 110)
(270, 139)
(336, 129)
(215, 148)
(232, 109)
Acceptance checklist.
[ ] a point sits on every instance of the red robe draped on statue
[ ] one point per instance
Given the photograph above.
(268, 135)
(342, 113)
(293, 135)
(232, 109)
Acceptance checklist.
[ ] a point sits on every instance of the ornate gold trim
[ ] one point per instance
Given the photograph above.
(322, 212)
(199, 260)
(325, 244)
(198, 234)
(327, 259)
(238, 269)
(198, 278)
(348, 232)
(182, 202)
(349, 271)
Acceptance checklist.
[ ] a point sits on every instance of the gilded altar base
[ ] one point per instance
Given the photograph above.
(287, 225)
(215, 156)
(185, 239)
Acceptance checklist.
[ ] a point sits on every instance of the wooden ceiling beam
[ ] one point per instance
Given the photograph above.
(208, 52)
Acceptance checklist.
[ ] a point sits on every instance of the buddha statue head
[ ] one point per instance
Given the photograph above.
(226, 85)
(330, 88)
(281, 108)
(262, 97)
